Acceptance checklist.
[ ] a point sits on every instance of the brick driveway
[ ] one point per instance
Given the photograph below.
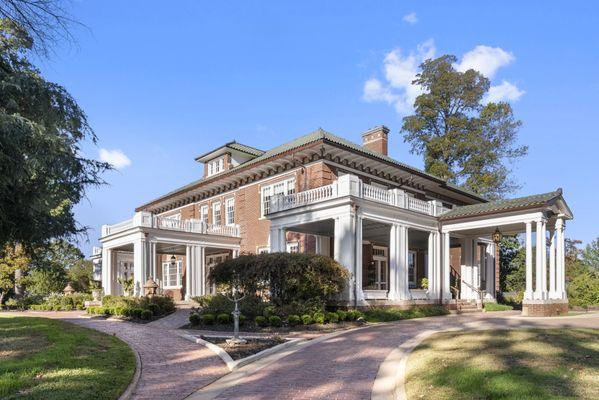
(172, 367)
(345, 367)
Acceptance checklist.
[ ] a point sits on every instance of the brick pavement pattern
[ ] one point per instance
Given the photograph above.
(345, 367)
(172, 367)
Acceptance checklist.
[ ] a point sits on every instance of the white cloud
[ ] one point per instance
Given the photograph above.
(400, 70)
(486, 60)
(505, 91)
(410, 18)
(116, 158)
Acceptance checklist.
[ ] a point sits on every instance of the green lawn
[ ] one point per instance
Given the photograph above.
(49, 359)
(515, 364)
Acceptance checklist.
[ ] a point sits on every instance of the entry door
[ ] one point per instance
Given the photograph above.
(381, 267)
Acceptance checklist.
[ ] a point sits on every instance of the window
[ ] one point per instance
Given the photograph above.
(412, 268)
(293, 247)
(216, 166)
(204, 214)
(216, 213)
(171, 274)
(230, 211)
(263, 250)
(376, 272)
(211, 261)
(285, 188)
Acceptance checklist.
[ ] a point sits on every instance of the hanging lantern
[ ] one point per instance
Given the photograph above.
(497, 236)
(173, 261)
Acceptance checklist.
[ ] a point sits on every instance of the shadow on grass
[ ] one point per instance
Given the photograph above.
(546, 364)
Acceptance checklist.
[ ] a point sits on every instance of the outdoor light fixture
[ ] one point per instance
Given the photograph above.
(173, 260)
(497, 236)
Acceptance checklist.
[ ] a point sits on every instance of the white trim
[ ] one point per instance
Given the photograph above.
(487, 222)
(230, 200)
(216, 206)
(179, 274)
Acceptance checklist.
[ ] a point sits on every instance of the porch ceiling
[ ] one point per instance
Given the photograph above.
(324, 228)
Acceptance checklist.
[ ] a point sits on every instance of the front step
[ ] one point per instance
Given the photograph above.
(463, 306)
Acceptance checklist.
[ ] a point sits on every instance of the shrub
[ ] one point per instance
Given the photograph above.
(242, 319)
(269, 311)
(288, 277)
(194, 318)
(318, 318)
(497, 307)
(395, 314)
(146, 315)
(275, 321)
(137, 313)
(260, 320)
(293, 320)
(307, 319)
(342, 315)
(219, 304)
(223, 319)
(154, 308)
(583, 289)
(208, 319)
(332, 317)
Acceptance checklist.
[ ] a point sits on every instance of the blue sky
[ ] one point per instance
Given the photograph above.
(163, 82)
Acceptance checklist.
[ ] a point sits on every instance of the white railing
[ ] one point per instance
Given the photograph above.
(147, 220)
(377, 194)
(281, 202)
(351, 185)
(418, 205)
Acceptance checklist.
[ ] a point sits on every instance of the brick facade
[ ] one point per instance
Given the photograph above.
(546, 308)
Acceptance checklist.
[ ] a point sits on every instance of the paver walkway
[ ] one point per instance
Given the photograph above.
(345, 366)
(172, 367)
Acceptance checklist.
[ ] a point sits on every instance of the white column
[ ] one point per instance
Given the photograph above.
(490, 271)
(140, 258)
(358, 258)
(445, 288)
(466, 270)
(153, 268)
(438, 265)
(541, 266)
(277, 240)
(432, 266)
(107, 271)
(345, 252)
(188, 271)
(552, 267)
(560, 258)
(323, 245)
(528, 293)
(404, 281)
(198, 278)
(394, 257)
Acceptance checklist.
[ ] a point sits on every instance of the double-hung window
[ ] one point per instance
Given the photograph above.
(204, 214)
(216, 213)
(292, 247)
(171, 274)
(285, 187)
(216, 166)
(230, 211)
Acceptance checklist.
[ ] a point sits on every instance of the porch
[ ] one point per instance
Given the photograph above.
(176, 254)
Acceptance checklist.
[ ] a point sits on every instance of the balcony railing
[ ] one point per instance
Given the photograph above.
(351, 185)
(147, 220)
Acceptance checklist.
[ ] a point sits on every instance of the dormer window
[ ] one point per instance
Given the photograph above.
(216, 166)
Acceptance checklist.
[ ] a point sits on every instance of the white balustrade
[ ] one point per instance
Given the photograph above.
(377, 194)
(281, 202)
(148, 220)
(418, 205)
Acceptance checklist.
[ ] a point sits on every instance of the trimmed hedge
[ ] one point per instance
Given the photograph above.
(62, 302)
(140, 308)
(396, 314)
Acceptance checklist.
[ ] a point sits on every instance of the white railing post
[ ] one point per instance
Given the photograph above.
(436, 207)
(349, 185)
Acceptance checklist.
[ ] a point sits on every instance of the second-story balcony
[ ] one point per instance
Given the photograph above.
(351, 185)
(147, 220)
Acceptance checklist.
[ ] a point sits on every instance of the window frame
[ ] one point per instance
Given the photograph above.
(230, 211)
(288, 188)
(166, 283)
(291, 245)
(216, 206)
(205, 212)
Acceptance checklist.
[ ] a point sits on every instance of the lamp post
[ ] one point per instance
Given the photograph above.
(235, 298)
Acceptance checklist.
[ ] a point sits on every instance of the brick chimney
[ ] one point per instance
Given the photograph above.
(375, 139)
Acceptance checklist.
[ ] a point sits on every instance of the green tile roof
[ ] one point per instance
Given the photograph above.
(319, 134)
(537, 200)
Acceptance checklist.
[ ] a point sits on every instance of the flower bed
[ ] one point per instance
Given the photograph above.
(252, 345)
(134, 308)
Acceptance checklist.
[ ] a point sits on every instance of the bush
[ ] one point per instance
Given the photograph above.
(318, 318)
(395, 314)
(223, 319)
(332, 317)
(288, 277)
(497, 307)
(275, 321)
(146, 315)
(260, 321)
(219, 304)
(194, 318)
(269, 311)
(242, 319)
(208, 319)
(342, 315)
(353, 315)
(307, 319)
(583, 289)
(293, 320)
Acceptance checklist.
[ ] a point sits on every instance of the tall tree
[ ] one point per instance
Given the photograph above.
(463, 140)
(43, 173)
(46, 21)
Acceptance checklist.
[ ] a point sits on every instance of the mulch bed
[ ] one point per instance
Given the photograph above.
(253, 345)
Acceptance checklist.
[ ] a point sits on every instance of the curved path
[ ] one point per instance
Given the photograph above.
(346, 366)
(172, 367)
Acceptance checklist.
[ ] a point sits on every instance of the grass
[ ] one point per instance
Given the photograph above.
(514, 364)
(387, 314)
(497, 307)
(51, 360)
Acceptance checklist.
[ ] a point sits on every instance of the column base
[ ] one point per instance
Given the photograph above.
(544, 308)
